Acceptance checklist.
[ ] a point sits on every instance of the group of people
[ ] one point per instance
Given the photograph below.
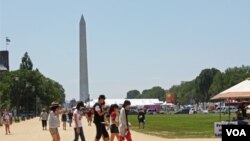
(67, 116)
(112, 118)
(54, 120)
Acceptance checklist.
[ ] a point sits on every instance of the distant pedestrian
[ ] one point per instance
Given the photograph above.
(90, 116)
(243, 109)
(99, 119)
(54, 121)
(7, 119)
(141, 118)
(64, 119)
(70, 117)
(44, 117)
(78, 113)
(123, 122)
(114, 121)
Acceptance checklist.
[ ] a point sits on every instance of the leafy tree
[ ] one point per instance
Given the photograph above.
(133, 94)
(4, 90)
(155, 92)
(26, 62)
(185, 92)
(28, 90)
(207, 84)
(203, 83)
(217, 85)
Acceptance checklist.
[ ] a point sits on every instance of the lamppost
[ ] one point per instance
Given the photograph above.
(16, 87)
(33, 90)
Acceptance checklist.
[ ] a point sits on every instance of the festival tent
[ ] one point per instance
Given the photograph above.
(239, 91)
(134, 102)
(168, 104)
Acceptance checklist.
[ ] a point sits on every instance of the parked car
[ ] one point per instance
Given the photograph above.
(32, 114)
(192, 111)
(205, 111)
(183, 111)
(151, 112)
(225, 109)
(163, 112)
(27, 114)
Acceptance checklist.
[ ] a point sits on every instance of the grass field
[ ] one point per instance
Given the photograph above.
(179, 126)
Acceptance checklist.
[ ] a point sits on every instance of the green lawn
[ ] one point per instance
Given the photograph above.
(179, 126)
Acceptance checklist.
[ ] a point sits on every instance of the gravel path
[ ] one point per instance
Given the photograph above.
(31, 130)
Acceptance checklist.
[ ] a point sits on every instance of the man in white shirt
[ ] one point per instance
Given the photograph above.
(44, 118)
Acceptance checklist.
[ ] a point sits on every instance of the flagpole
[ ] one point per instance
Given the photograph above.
(6, 45)
(7, 42)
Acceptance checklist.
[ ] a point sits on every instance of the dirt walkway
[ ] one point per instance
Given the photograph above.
(31, 130)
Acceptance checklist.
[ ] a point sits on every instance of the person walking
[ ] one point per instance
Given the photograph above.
(64, 119)
(7, 121)
(123, 122)
(99, 119)
(78, 113)
(141, 118)
(114, 121)
(44, 117)
(70, 117)
(90, 116)
(54, 121)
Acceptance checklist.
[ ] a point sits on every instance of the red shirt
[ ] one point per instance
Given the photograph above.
(113, 116)
(89, 113)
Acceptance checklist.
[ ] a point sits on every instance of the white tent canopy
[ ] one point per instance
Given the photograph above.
(167, 104)
(134, 102)
(241, 90)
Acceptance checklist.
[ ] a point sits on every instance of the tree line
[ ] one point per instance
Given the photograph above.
(208, 83)
(155, 92)
(26, 90)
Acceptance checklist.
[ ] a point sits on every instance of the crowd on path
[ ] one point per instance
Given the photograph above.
(106, 118)
(112, 118)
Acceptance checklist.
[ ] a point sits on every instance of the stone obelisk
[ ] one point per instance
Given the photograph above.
(84, 87)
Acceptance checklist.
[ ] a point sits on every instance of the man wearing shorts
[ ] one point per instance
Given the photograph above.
(99, 119)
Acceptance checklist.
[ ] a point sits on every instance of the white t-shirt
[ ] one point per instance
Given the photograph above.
(78, 118)
(54, 121)
(97, 108)
(44, 116)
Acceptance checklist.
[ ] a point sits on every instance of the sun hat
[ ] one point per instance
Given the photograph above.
(54, 104)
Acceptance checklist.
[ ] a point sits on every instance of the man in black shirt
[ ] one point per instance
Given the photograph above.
(70, 116)
(141, 118)
(99, 119)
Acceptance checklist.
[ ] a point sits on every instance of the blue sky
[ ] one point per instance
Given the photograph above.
(131, 44)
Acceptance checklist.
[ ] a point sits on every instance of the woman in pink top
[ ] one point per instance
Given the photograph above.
(7, 121)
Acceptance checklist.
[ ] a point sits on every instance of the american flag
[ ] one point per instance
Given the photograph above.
(7, 40)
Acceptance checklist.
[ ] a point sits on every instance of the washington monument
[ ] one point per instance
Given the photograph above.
(84, 86)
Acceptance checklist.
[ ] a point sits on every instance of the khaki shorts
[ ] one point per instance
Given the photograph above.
(53, 131)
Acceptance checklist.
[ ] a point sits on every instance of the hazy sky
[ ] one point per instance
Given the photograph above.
(131, 44)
